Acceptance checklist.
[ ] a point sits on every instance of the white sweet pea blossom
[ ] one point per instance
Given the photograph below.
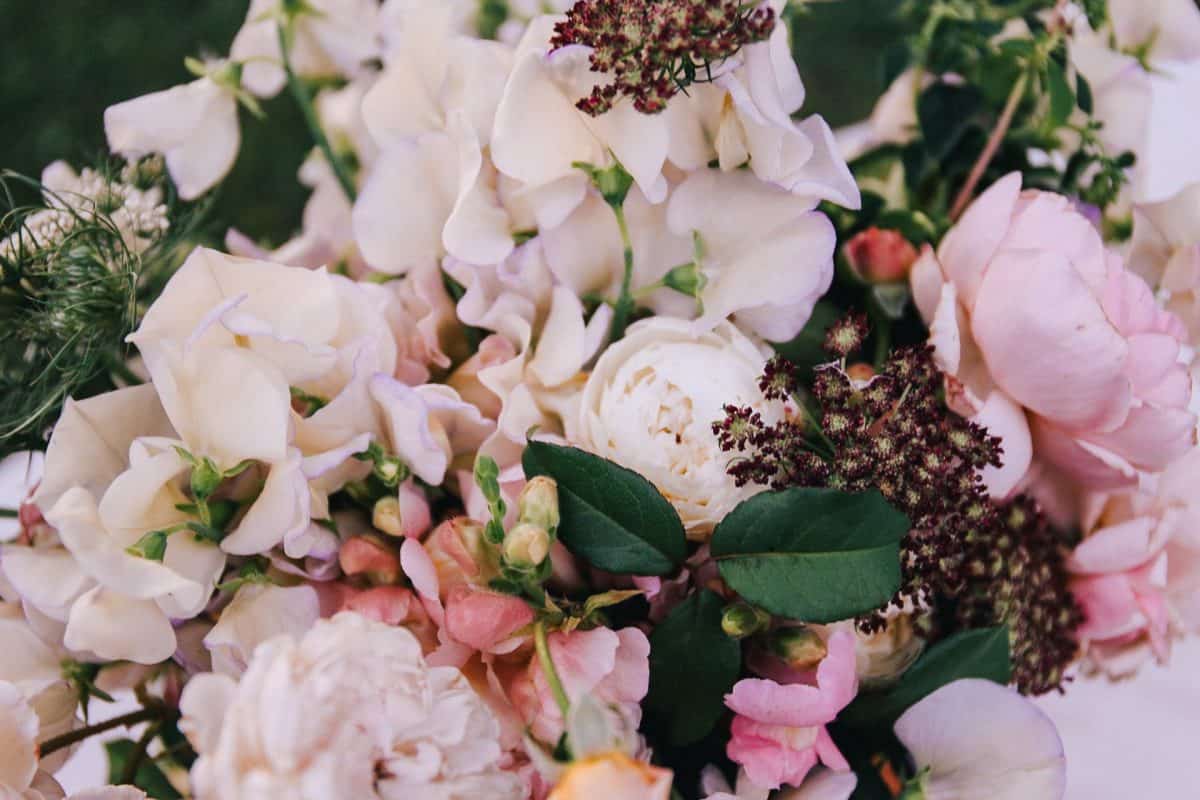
(539, 133)
(976, 739)
(745, 118)
(259, 612)
(1146, 100)
(650, 402)
(194, 126)
(330, 38)
(1166, 252)
(348, 710)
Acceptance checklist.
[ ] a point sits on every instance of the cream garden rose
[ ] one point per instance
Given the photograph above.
(650, 403)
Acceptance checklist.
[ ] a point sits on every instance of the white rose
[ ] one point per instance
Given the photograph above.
(650, 403)
(348, 710)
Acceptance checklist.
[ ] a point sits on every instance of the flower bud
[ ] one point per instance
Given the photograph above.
(538, 503)
(800, 647)
(462, 554)
(742, 619)
(371, 557)
(879, 255)
(526, 545)
(860, 371)
(205, 479)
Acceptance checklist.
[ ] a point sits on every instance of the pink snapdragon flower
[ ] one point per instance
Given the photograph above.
(611, 666)
(779, 732)
(1052, 344)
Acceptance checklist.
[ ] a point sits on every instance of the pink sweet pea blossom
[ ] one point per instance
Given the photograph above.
(779, 732)
(1052, 344)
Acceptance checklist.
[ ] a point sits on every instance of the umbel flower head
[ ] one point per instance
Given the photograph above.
(655, 48)
(894, 433)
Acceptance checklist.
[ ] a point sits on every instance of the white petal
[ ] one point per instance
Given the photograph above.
(18, 735)
(983, 740)
(115, 627)
(257, 613)
(49, 580)
(281, 509)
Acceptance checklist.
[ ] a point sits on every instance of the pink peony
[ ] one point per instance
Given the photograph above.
(779, 732)
(611, 666)
(1052, 344)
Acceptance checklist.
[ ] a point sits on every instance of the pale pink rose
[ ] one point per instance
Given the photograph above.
(1052, 344)
(779, 732)
(611, 666)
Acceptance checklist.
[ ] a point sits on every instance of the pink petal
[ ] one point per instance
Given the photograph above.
(1048, 343)
(418, 566)
(969, 246)
(482, 619)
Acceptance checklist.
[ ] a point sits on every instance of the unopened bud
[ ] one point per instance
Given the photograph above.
(461, 553)
(390, 470)
(386, 516)
(538, 503)
(800, 647)
(370, 557)
(880, 255)
(526, 545)
(742, 619)
(205, 479)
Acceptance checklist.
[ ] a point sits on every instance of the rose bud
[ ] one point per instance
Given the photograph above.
(879, 255)
(742, 619)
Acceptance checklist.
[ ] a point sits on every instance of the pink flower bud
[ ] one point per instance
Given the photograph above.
(461, 554)
(369, 556)
(880, 255)
(406, 514)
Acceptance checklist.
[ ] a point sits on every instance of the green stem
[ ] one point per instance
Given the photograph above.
(547, 664)
(9, 513)
(79, 734)
(623, 309)
(303, 99)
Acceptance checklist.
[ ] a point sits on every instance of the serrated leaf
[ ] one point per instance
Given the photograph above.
(611, 516)
(817, 555)
(693, 664)
(980, 653)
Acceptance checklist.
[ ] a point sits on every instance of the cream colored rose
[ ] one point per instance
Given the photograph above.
(650, 403)
(350, 709)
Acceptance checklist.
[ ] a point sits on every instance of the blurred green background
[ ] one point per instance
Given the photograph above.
(64, 62)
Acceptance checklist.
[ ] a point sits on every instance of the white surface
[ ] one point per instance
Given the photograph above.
(1135, 739)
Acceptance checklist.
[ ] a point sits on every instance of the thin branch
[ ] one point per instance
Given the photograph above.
(79, 734)
(989, 151)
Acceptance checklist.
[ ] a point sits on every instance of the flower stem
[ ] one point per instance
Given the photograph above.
(989, 150)
(9, 513)
(547, 664)
(304, 99)
(623, 309)
(79, 734)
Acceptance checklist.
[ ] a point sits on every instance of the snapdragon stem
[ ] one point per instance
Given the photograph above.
(304, 99)
(623, 309)
(79, 734)
(543, 653)
(140, 751)
(989, 150)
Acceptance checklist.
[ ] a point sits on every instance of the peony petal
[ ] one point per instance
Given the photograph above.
(1004, 418)
(968, 248)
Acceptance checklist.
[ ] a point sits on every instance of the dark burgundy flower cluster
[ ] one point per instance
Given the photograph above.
(654, 48)
(894, 433)
(1017, 576)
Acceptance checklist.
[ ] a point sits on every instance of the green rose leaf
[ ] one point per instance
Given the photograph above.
(611, 516)
(692, 666)
(148, 777)
(980, 653)
(817, 555)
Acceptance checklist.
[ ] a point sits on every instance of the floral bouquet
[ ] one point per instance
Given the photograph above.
(609, 429)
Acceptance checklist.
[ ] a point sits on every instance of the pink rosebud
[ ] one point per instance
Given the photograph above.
(483, 619)
(880, 255)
